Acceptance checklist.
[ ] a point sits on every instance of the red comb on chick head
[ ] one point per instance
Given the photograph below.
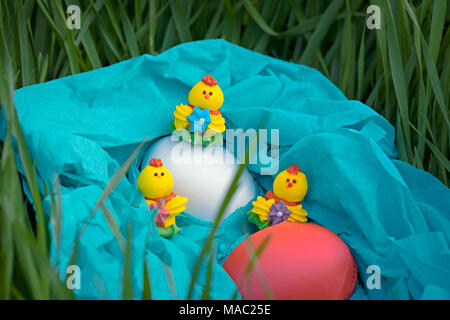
(294, 169)
(155, 163)
(209, 80)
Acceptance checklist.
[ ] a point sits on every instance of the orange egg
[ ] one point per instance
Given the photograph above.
(300, 261)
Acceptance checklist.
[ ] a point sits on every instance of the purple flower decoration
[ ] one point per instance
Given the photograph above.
(278, 213)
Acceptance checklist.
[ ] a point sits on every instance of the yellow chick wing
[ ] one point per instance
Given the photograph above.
(180, 116)
(217, 123)
(298, 214)
(175, 206)
(261, 207)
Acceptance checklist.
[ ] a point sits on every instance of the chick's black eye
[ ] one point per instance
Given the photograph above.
(210, 93)
(204, 92)
(162, 173)
(294, 181)
(156, 174)
(287, 180)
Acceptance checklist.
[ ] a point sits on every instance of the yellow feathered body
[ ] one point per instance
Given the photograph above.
(217, 123)
(298, 214)
(261, 207)
(180, 116)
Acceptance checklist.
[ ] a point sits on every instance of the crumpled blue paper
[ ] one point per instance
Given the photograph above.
(83, 127)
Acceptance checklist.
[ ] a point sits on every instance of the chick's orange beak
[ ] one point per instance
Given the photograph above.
(289, 185)
(206, 96)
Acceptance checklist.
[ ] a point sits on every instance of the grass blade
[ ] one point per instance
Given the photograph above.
(321, 30)
(112, 184)
(127, 286)
(181, 21)
(147, 291)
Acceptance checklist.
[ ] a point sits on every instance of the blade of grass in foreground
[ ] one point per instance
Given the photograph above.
(207, 246)
(112, 184)
(147, 291)
(127, 287)
(56, 217)
(112, 223)
(253, 264)
(229, 195)
(7, 211)
(254, 255)
(30, 175)
(32, 277)
(170, 280)
(206, 290)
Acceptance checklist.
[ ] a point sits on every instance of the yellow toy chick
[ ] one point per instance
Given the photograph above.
(284, 202)
(205, 96)
(155, 182)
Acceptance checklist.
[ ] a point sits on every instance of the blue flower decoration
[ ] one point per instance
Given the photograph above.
(199, 120)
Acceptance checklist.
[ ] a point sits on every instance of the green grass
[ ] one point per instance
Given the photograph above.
(402, 71)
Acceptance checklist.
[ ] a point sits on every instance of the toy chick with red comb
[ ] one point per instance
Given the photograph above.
(155, 182)
(284, 202)
(202, 114)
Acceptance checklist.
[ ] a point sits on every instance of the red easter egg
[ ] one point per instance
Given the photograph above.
(301, 261)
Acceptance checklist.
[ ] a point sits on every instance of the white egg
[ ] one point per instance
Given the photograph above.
(203, 175)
